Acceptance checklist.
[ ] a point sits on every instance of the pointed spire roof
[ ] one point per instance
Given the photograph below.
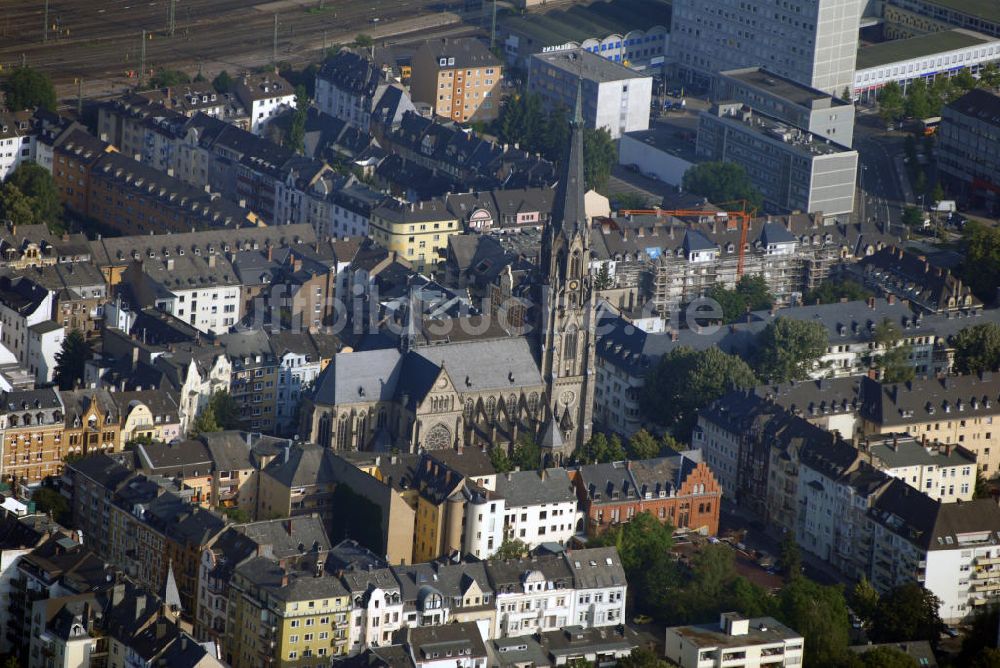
(553, 436)
(171, 595)
(568, 211)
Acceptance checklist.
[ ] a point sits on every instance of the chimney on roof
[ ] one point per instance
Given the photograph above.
(871, 302)
(211, 261)
(270, 251)
(895, 443)
(288, 526)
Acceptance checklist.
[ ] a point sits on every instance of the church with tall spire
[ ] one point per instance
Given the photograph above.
(486, 390)
(565, 337)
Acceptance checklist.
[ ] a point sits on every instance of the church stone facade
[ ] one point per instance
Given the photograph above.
(485, 391)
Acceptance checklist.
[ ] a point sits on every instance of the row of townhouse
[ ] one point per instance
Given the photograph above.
(668, 263)
(419, 507)
(891, 507)
(40, 428)
(265, 374)
(67, 607)
(310, 605)
(948, 410)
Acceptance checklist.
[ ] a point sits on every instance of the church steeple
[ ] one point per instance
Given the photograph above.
(568, 213)
(565, 306)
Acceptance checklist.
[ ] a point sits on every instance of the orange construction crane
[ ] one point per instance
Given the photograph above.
(733, 218)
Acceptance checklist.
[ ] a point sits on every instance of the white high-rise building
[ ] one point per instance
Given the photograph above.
(814, 42)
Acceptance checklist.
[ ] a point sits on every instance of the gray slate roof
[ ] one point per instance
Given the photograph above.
(530, 488)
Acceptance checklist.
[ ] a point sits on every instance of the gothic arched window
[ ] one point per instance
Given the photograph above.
(491, 408)
(533, 403)
(569, 344)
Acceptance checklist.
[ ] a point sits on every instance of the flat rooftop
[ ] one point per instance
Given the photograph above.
(775, 84)
(795, 138)
(985, 10)
(886, 53)
(675, 136)
(763, 631)
(590, 66)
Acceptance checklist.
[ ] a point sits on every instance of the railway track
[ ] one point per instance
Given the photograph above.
(99, 42)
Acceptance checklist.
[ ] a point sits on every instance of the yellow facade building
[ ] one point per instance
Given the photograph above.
(418, 232)
(286, 615)
(459, 78)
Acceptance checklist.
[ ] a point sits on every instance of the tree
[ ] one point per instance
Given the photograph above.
(751, 294)
(982, 635)
(964, 80)
(363, 41)
(879, 657)
(205, 421)
(48, 500)
(15, 205)
(642, 445)
(556, 137)
(236, 515)
(987, 657)
(833, 291)
(790, 559)
(500, 460)
(600, 449)
(166, 78)
(222, 83)
(71, 360)
(908, 612)
(36, 183)
(937, 192)
(685, 380)
(297, 133)
(527, 455)
(511, 548)
(671, 444)
(26, 88)
(820, 614)
(890, 101)
(603, 280)
(893, 363)
(913, 217)
(981, 268)
(918, 102)
(642, 657)
(789, 349)
(989, 75)
(982, 489)
(599, 156)
(847, 94)
(977, 348)
(644, 546)
(721, 182)
(227, 411)
(864, 600)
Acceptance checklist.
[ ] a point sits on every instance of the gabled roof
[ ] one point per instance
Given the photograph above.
(301, 465)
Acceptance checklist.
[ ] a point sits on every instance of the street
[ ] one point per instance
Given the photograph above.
(881, 195)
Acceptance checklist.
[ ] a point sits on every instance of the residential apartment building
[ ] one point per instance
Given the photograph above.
(254, 377)
(679, 489)
(459, 78)
(264, 96)
(92, 422)
(955, 410)
(893, 270)
(350, 86)
(17, 141)
(32, 423)
(539, 506)
(613, 96)
(821, 113)
(944, 472)
(967, 143)
(814, 43)
(792, 169)
(27, 330)
(755, 642)
(671, 262)
(418, 232)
